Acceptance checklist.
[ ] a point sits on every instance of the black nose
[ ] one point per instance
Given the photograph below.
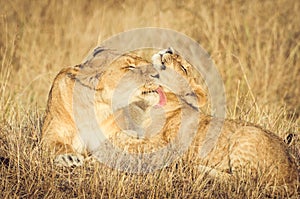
(155, 76)
(170, 50)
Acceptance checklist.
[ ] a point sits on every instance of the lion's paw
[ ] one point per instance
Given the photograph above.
(69, 160)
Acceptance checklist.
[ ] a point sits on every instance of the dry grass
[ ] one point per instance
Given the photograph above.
(255, 45)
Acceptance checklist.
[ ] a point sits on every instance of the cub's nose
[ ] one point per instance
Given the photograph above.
(170, 50)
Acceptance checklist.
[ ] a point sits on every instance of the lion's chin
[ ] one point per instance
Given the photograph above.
(154, 98)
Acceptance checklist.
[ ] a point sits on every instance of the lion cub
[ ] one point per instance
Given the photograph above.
(240, 147)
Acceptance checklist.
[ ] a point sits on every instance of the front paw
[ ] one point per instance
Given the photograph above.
(69, 160)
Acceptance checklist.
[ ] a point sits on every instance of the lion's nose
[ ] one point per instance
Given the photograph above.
(170, 50)
(151, 72)
(155, 76)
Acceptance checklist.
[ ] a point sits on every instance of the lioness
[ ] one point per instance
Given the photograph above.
(241, 147)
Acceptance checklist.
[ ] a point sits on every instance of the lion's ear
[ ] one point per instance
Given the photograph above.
(201, 95)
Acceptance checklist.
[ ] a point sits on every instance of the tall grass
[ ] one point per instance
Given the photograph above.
(254, 44)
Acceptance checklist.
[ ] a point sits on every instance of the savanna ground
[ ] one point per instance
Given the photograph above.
(254, 44)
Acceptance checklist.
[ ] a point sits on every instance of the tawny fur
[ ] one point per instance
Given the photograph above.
(239, 147)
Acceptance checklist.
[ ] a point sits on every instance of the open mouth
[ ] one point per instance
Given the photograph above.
(161, 94)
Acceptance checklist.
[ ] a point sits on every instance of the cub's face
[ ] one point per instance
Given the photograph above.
(168, 59)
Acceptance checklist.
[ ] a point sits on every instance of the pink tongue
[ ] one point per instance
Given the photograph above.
(162, 97)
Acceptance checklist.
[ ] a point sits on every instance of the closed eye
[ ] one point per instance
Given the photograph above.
(130, 67)
(184, 69)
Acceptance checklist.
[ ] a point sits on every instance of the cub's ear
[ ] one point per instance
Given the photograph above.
(201, 95)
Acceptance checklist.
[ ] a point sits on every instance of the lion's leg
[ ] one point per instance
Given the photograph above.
(59, 130)
(69, 160)
(63, 153)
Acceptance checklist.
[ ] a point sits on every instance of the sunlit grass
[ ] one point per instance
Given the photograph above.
(254, 44)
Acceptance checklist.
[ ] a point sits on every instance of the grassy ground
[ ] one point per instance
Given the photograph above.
(254, 44)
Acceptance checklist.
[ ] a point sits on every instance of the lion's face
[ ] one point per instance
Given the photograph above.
(130, 73)
(167, 58)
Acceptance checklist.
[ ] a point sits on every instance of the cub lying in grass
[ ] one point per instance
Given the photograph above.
(241, 148)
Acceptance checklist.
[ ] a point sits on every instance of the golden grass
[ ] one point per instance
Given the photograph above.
(255, 45)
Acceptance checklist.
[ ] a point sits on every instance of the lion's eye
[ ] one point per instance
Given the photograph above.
(184, 69)
(130, 67)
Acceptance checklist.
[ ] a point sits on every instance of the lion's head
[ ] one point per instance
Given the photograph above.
(167, 58)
